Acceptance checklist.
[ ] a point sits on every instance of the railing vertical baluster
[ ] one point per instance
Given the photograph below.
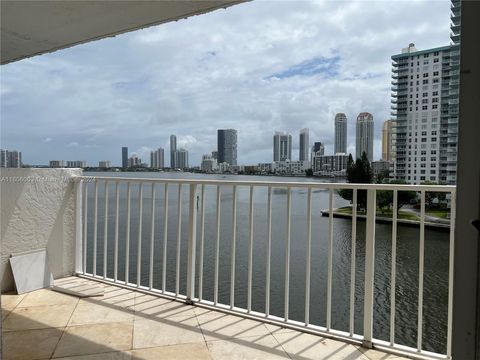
(250, 253)
(287, 254)
(233, 247)
(165, 238)
(95, 227)
(85, 227)
(192, 240)
(179, 240)
(269, 252)
(202, 247)
(420, 271)
(369, 268)
(453, 204)
(139, 241)
(78, 227)
(105, 232)
(152, 239)
(352, 262)
(127, 239)
(117, 214)
(308, 257)
(330, 260)
(217, 245)
(393, 276)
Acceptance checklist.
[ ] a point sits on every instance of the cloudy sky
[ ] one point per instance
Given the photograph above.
(258, 67)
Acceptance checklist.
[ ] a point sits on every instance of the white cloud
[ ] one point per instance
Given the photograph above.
(212, 71)
(47, 140)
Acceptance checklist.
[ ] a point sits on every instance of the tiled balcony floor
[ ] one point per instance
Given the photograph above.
(124, 324)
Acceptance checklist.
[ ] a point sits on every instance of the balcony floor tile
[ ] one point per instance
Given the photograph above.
(197, 351)
(30, 344)
(38, 317)
(10, 301)
(116, 355)
(89, 311)
(47, 297)
(248, 348)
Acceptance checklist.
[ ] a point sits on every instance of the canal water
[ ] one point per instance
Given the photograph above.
(436, 255)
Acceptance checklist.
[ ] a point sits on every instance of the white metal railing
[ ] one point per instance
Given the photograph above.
(195, 282)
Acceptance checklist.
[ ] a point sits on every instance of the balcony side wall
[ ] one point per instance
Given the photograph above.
(37, 211)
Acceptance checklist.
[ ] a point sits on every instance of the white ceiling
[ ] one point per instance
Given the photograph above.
(35, 27)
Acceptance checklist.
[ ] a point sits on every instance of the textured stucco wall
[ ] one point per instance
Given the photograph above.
(37, 211)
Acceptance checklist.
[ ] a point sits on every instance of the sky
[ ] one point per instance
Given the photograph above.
(258, 67)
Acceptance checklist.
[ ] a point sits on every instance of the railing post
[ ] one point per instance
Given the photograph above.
(369, 269)
(78, 228)
(192, 239)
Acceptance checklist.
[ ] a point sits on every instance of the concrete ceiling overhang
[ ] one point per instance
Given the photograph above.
(35, 27)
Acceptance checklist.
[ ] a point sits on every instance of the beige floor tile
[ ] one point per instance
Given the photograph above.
(95, 338)
(379, 355)
(118, 296)
(275, 329)
(10, 301)
(38, 317)
(306, 346)
(47, 297)
(5, 313)
(95, 311)
(30, 344)
(249, 348)
(154, 306)
(217, 326)
(161, 332)
(117, 355)
(174, 352)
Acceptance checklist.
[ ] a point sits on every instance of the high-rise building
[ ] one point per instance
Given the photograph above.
(227, 146)
(364, 140)
(304, 145)
(57, 163)
(134, 161)
(340, 146)
(282, 146)
(105, 164)
(387, 141)
(10, 158)
(209, 163)
(173, 149)
(157, 160)
(181, 159)
(76, 164)
(425, 107)
(124, 157)
(318, 147)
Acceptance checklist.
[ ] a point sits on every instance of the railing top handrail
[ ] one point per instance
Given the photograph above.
(278, 184)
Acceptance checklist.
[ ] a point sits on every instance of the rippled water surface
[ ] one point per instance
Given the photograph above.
(436, 255)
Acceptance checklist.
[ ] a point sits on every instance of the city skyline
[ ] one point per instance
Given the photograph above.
(279, 83)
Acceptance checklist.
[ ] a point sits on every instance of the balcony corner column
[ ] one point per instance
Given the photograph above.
(192, 239)
(369, 269)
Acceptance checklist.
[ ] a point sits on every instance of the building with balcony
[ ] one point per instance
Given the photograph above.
(157, 159)
(340, 133)
(364, 135)
(76, 164)
(227, 146)
(56, 163)
(325, 165)
(104, 164)
(282, 146)
(304, 145)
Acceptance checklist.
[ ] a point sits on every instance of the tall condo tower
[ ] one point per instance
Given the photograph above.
(387, 141)
(304, 145)
(364, 141)
(282, 146)
(157, 159)
(124, 157)
(227, 146)
(340, 133)
(425, 110)
(173, 150)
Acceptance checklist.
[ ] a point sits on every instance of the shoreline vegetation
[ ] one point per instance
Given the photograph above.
(437, 219)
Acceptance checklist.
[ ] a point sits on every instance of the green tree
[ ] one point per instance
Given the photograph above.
(430, 196)
(309, 172)
(385, 197)
(358, 172)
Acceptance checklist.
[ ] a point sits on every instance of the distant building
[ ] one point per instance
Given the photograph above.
(290, 167)
(157, 159)
(387, 140)
(134, 161)
(181, 159)
(265, 168)
(304, 145)
(104, 164)
(335, 165)
(10, 158)
(56, 163)
(124, 157)
(227, 146)
(364, 139)
(173, 149)
(381, 167)
(340, 134)
(209, 164)
(76, 164)
(223, 167)
(215, 155)
(282, 146)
